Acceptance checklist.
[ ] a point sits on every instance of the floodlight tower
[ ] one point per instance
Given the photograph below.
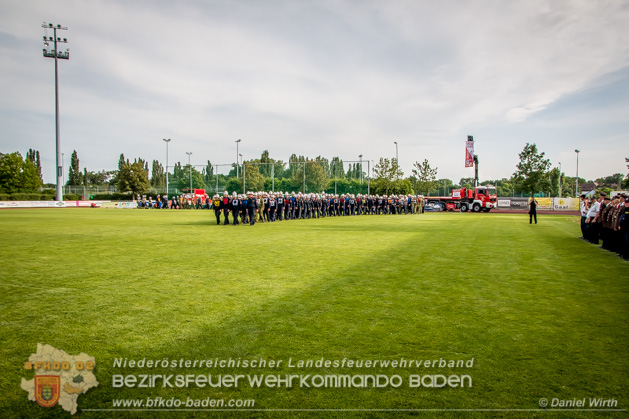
(396, 158)
(56, 54)
(189, 153)
(237, 154)
(576, 185)
(166, 140)
(360, 156)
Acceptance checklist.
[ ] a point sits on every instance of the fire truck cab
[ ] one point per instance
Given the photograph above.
(481, 198)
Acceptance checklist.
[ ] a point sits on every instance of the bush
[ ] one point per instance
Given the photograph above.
(24, 197)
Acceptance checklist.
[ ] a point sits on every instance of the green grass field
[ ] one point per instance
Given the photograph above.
(542, 313)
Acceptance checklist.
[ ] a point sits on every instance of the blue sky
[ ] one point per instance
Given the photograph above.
(322, 78)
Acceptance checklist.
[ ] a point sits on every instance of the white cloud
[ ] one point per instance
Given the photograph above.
(330, 78)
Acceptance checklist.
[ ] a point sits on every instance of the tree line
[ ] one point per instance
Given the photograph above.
(533, 175)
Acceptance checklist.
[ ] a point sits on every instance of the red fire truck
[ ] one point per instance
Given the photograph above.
(481, 198)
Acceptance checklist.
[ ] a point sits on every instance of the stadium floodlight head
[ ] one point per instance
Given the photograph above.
(56, 54)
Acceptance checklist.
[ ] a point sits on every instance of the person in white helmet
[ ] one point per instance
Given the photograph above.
(279, 198)
(225, 207)
(235, 208)
(216, 204)
(272, 206)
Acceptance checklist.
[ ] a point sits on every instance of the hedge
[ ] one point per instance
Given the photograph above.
(36, 197)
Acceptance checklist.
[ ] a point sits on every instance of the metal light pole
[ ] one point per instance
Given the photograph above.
(368, 177)
(63, 169)
(243, 174)
(360, 156)
(559, 179)
(237, 142)
(335, 161)
(54, 53)
(166, 141)
(189, 153)
(244, 184)
(576, 185)
(396, 156)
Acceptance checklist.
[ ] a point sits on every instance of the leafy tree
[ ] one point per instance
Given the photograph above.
(208, 176)
(33, 155)
(325, 163)
(74, 173)
(336, 168)
(254, 181)
(426, 177)
(183, 175)
(402, 186)
(99, 178)
(532, 171)
(279, 169)
(294, 166)
(18, 175)
(265, 168)
(316, 176)
(234, 184)
(386, 173)
(158, 178)
(133, 177)
(467, 182)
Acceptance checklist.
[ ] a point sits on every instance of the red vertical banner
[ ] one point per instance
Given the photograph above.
(469, 152)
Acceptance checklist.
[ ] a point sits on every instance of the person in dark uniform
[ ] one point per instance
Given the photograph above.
(243, 209)
(583, 208)
(225, 204)
(235, 208)
(623, 227)
(265, 210)
(272, 207)
(279, 198)
(252, 206)
(533, 210)
(216, 204)
(293, 205)
(287, 209)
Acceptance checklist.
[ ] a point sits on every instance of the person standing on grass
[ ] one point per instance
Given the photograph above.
(533, 210)
(225, 207)
(592, 232)
(583, 207)
(216, 204)
(623, 228)
(252, 206)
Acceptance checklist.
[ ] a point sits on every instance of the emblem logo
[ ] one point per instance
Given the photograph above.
(47, 389)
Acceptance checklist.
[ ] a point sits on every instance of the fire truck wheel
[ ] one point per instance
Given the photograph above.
(476, 207)
(464, 208)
